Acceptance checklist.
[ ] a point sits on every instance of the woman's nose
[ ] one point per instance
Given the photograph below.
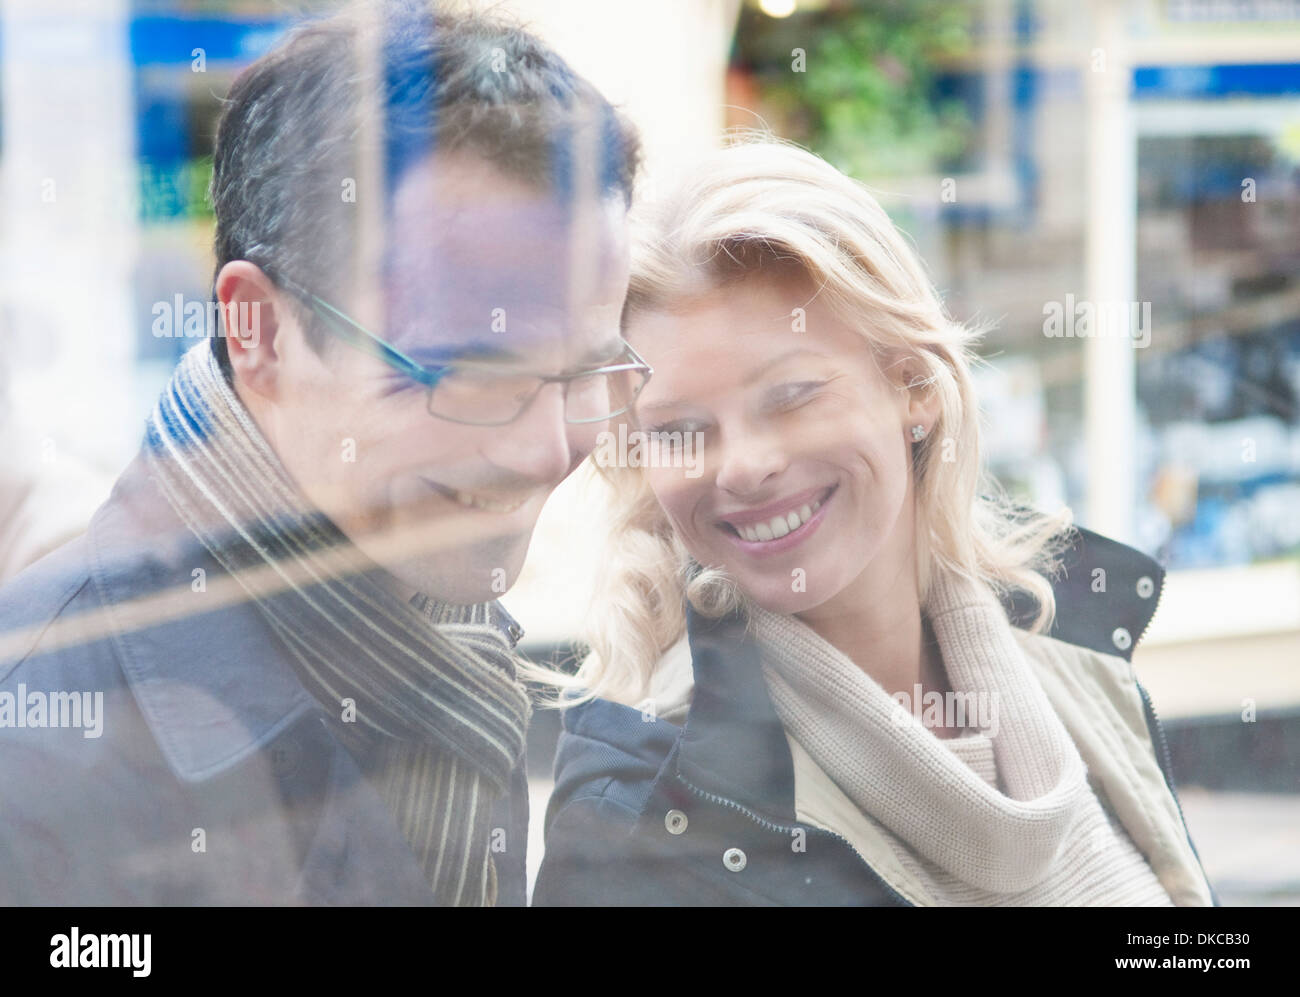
(747, 460)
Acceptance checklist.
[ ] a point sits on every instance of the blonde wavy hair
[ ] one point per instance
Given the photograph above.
(763, 202)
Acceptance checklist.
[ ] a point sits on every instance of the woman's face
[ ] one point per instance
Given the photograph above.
(803, 478)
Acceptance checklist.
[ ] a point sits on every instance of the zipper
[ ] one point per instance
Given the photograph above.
(1165, 758)
(788, 829)
(1153, 719)
(1154, 609)
(1168, 768)
(1167, 764)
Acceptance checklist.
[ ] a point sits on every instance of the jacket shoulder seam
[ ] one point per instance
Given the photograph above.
(75, 588)
(599, 797)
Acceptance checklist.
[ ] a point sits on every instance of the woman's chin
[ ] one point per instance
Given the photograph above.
(780, 599)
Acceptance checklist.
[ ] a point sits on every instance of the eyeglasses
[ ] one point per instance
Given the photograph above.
(477, 393)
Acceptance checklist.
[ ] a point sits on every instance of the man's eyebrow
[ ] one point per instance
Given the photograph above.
(601, 355)
(483, 351)
(478, 351)
(749, 378)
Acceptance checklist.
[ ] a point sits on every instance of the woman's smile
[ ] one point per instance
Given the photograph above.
(779, 526)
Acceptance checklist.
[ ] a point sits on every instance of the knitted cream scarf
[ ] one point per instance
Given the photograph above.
(898, 772)
(440, 716)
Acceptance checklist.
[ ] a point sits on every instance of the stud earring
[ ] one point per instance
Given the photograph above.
(918, 433)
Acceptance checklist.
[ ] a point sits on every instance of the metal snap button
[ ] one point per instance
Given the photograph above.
(286, 754)
(1122, 639)
(1145, 587)
(734, 859)
(675, 821)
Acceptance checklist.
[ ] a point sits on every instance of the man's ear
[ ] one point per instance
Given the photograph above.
(254, 315)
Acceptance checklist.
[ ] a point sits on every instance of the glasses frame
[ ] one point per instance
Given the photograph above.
(355, 334)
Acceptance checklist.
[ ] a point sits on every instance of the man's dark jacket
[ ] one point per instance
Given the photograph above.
(216, 779)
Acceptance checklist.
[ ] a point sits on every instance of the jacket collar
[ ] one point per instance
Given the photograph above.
(733, 744)
(207, 671)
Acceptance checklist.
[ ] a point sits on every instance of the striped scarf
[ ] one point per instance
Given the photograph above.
(439, 717)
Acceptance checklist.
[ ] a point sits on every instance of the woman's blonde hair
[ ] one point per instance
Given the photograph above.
(766, 203)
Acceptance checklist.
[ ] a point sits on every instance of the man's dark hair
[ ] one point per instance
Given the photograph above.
(292, 133)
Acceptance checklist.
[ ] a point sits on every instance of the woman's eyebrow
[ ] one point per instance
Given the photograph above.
(754, 375)
(749, 378)
(666, 403)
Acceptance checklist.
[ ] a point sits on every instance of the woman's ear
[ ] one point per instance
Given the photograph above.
(918, 399)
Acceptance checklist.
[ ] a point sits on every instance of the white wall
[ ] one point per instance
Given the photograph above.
(67, 244)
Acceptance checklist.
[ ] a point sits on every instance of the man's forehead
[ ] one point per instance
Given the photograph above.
(472, 249)
(464, 206)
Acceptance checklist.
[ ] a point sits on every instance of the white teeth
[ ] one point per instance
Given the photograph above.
(473, 501)
(778, 526)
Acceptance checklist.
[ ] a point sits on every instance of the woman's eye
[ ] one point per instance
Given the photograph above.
(788, 395)
(679, 428)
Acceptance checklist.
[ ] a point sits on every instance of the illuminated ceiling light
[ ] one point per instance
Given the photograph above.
(777, 8)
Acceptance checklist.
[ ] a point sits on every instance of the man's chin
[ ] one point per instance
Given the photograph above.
(457, 594)
(461, 581)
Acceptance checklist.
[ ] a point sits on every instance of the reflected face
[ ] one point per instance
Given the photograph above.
(806, 470)
(482, 267)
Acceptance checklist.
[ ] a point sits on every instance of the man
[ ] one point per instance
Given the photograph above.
(275, 670)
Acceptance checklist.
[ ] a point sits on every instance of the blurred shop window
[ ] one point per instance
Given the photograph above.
(185, 54)
(48, 492)
(1219, 217)
(47, 497)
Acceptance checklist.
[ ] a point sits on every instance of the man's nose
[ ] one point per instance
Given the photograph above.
(538, 444)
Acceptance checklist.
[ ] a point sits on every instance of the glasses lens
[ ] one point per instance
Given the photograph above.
(589, 398)
(487, 398)
(602, 396)
(475, 396)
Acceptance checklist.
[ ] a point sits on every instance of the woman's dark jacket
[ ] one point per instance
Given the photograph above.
(645, 812)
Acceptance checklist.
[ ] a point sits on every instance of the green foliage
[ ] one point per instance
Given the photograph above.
(175, 192)
(864, 99)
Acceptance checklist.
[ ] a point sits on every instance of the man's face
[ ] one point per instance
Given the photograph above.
(490, 268)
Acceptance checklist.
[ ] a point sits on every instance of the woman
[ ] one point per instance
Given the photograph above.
(805, 684)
